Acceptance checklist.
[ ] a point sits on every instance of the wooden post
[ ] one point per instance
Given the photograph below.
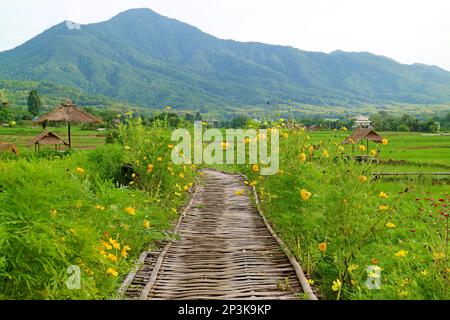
(68, 131)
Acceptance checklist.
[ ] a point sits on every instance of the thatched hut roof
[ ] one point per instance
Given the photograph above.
(68, 112)
(10, 147)
(363, 134)
(47, 137)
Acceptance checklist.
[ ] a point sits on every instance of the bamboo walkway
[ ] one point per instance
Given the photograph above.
(224, 251)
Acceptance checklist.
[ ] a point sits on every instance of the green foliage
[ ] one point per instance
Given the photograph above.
(61, 211)
(34, 103)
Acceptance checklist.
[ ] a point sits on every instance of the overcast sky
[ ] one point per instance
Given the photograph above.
(406, 30)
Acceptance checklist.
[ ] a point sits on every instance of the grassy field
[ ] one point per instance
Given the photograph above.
(82, 139)
(338, 221)
(87, 210)
(70, 211)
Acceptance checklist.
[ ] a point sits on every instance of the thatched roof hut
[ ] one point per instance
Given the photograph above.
(69, 113)
(9, 147)
(363, 134)
(47, 138)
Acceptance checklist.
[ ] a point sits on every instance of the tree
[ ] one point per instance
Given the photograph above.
(34, 103)
(198, 116)
(3, 100)
(189, 117)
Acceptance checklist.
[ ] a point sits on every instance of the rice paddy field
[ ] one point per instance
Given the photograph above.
(82, 139)
(356, 237)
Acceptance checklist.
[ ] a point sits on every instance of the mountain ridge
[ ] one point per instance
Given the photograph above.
(143, 57)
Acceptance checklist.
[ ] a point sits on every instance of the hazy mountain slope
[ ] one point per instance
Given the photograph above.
(146, 58)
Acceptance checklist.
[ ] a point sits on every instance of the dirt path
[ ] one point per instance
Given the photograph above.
(224, 251)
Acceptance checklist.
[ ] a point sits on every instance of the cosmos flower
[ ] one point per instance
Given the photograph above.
(131, 211)
(323, 247)
(305, 194)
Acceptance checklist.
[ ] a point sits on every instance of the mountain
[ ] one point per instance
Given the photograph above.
(143, 57)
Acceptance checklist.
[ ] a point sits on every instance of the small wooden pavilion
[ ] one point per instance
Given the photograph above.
(69, 113)
(362, 134)
(9, 147)
(47, 138)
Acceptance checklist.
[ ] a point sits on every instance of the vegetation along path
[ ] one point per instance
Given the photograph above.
(224, 250)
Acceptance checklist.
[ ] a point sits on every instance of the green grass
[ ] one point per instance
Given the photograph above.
(59, 212)
(53, 216)
(359, 227)
(80, 138)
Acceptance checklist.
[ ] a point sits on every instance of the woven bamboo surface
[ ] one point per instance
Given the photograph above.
(224, 251)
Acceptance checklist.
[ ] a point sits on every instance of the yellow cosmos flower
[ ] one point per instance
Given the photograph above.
(302, 157)
(255, 168)
(362, 147)
(352, 268)
(159, 159)
(390, 225)
(383, 195)
(80, 170)
(363, 178)
(225, 145)
(285, 135)
(401, 254)
(325, 154)
(112, 257)
(253, 183)
(305, 194)
(310, 149)
(383, 207)
(131, 211)
(336, 285)
(112, 272)
(310, 281)
(186, 188)
(181, 175)
(373, 153)
(146, 224)
(239, 193)
(170, 146)
(114, 243)
(323, 246)
(385, 141)
(344, 129)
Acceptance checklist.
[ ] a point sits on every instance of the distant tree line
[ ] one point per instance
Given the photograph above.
(383, 121)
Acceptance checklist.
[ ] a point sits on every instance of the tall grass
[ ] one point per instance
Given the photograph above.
(350, 223)
(84, 210)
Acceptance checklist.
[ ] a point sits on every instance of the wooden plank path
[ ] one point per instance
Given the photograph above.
(224, 251)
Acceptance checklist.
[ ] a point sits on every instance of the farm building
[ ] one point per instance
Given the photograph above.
(362, 122)
(47, 138)
(314, 128)
(363, 134)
